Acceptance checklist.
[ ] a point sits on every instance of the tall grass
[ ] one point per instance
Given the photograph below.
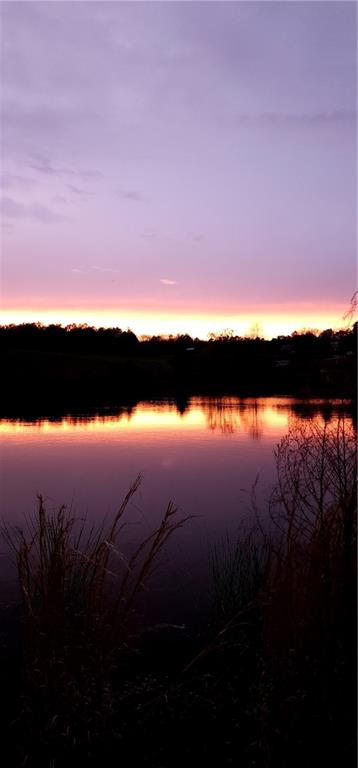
(313, 510)
(296, 578)
(79, 595)
(238, 570)
(304, 543)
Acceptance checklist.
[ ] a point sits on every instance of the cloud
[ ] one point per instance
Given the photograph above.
(13, 209)
(131, 194)
(78, 191)
(94, 268)
(298, 118)
(148, 234)
(105, 269)
(9, 181)
(165, 281)
(42, 165)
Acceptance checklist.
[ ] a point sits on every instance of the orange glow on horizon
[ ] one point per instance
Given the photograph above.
(267, 321)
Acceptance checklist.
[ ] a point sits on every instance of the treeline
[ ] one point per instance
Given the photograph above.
(72, 338)
(88, 339)
(52, 366)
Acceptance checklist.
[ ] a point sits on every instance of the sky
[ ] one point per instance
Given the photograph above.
(178, 166)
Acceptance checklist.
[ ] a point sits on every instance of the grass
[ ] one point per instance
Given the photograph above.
(313, 510)
(286, 594)
(79, 595)
(238, 572)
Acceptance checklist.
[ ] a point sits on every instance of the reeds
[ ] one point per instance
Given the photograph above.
(238, 572)
(301, 596)
(308, 552)
(79, 594)
(67, 572)
(313, 540)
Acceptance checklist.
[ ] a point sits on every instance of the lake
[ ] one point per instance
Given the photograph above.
(204, 454)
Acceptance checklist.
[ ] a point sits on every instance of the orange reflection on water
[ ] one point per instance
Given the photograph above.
(250, 416)
(224, 416)
(143, 418)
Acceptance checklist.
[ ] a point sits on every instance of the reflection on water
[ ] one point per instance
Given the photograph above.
(204, 454)
(251, 417)
(228, 415)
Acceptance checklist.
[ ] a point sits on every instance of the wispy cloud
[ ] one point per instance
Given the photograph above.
(43, 165)
(94, 268)
(78, 191)
(9, 181)
(148, 234)
(165, 281)
(105, 269)
(131, 194)
(297, 118)
(13, 209)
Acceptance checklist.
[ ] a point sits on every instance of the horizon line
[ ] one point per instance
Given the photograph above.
(254, 332)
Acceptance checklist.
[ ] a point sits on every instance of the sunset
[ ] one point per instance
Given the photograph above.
(178, 419)
(263, 321)
(178, 168)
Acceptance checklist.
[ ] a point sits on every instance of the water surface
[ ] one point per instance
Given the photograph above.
(204, 455)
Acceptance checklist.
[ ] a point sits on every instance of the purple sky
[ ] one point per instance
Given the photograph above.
(166, 159)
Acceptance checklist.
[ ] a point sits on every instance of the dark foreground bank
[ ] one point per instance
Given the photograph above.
(266, 678)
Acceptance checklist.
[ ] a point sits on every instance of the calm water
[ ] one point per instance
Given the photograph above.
(205, 458)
